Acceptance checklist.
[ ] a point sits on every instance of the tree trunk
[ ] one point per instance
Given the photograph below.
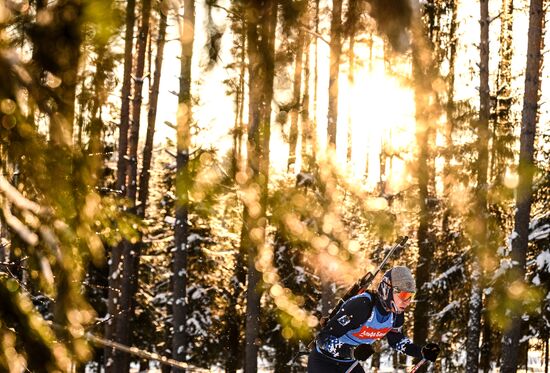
(137, 101)
(502, 142)
(423, 75)
(62, 58)
(487, 342)
(183, 183)
(523, 348)
(261, 51)
(316, 66)
(125, 99)
(474, 318)
(80, 118)
(113, 303)
(235, 325)
(524, 195)
(95, 144)
(448, 179)
(151, 119)
(479, 221)
(335, 52)
(351, 56)
(425, 236)
(355, 9)
(232, 338)
(238, 130)
(503, 136)
(546, 351)
(66, 61)
(332, 115)
(130, 251)
(308, 142)
(296, 104)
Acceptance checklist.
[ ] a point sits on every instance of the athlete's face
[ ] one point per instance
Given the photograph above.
(401, 302)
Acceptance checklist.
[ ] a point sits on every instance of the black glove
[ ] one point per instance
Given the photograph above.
(430, 351)
(362, 352)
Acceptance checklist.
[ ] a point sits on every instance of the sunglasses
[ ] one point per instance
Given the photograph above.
(404, 295)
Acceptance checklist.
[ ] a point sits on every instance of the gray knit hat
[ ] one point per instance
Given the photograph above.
(402, 279)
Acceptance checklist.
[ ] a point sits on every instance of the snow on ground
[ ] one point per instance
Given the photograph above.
(534, 366)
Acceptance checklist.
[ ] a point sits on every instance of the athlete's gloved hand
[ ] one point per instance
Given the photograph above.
(430, 351)
(362, 352)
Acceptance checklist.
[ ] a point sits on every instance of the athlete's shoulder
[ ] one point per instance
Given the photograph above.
(368, 295)
(359, 304)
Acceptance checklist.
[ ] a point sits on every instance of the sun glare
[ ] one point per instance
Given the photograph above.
(379, 110)
(376, 106)
(383, 123)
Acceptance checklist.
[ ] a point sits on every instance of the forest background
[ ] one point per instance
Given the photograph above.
(200, 180)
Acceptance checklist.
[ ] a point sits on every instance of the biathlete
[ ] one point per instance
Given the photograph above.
(362, 320)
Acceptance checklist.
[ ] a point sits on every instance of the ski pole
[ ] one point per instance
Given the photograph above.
(418, 365)
(413, 370)
(352, 367)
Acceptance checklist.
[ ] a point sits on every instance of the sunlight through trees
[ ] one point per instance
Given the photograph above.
(288, 144)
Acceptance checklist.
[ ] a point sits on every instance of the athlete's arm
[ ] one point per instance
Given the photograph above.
(351, 315)
(399, 342)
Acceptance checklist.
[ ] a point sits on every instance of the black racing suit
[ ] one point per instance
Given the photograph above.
(332, 354)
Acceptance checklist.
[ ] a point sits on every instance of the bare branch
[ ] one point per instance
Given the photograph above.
(229, 11)
(135, 351)
(170, 153)
(51, 240)
(319, 36)
(18, 199)
(21, 229)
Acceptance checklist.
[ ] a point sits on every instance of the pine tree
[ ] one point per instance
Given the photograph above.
(424, 73)
(151, 117)
(478, 223)
(352, 27)
(126, 93)
(183, 183)
(232, 334)
(52, 209)
(501, 155)
(307, 146)
(335, 52)
(524, 196)
(261, 44)
(130, 250)
(115, 266)
(297, 87)
(239, 48)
